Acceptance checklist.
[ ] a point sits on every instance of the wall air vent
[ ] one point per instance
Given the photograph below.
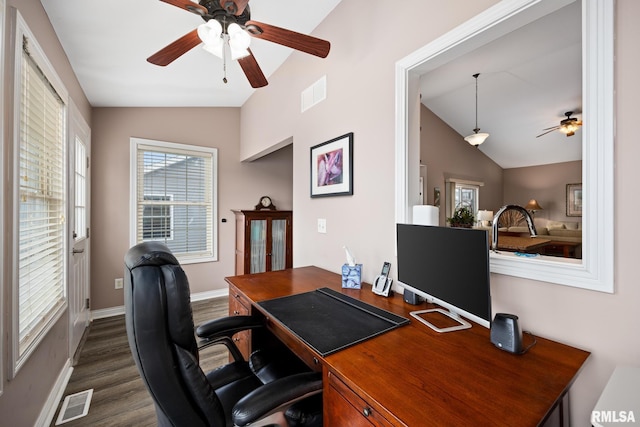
(314, 94)
(75, 406)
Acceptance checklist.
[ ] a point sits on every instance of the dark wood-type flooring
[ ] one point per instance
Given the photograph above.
(106, 365)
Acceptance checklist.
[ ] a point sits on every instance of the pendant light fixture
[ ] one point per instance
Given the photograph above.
(476, 138)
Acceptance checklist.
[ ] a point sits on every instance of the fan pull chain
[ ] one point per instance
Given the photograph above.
(224, 64)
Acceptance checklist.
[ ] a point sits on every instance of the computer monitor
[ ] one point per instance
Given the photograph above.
(448, 266)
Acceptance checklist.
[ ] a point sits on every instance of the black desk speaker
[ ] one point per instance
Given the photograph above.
(411, 298)
(506, 333)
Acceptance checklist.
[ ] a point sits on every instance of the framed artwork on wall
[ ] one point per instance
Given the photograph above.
(332, 167)
(574, 199)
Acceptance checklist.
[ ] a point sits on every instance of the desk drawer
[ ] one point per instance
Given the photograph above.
(344, 407)
(240, 306)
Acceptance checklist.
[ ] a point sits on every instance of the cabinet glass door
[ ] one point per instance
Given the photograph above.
(258, 246)
(278, 244)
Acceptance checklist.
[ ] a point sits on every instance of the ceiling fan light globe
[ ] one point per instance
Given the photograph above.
(214, 49)
(476, 139)
(210, 32)
(239, 40)
(233, 28)
(238, 53)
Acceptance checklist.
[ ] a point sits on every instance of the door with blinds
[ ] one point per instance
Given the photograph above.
(79, 234)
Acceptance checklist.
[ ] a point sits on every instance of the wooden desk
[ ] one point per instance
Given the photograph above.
(520, 244)
(566, 249)
(413, 376)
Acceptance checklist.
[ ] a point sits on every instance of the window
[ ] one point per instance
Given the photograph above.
(461, 193)
(80, 176)
(173, 198)
(40, 199)
(467, 196)
(157, 218)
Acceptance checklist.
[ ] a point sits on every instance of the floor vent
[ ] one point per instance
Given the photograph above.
(75, 406)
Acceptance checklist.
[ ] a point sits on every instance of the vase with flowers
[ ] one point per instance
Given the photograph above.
(462, 217)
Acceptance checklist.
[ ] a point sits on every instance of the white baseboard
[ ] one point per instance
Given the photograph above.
(210, 294)
(116, 311)
(55, 396)
(107, 312)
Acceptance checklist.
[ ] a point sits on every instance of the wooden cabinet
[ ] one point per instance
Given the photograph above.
(263, 241)
(239, 305)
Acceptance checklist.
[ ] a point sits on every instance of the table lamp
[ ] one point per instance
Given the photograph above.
(485, 217)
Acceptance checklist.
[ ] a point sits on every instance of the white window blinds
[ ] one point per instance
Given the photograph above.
(175, 198)
(41, 227)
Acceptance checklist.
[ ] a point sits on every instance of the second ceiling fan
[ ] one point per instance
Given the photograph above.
(568, 126)
(230, 21)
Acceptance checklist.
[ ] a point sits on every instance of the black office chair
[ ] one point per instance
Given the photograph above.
(161, 336)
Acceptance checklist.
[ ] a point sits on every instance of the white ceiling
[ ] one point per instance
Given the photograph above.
(528, 80)
(108, 42)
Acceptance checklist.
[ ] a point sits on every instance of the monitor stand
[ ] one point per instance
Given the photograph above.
(461, 323)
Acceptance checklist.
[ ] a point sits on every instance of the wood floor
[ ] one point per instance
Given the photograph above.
(105, 364)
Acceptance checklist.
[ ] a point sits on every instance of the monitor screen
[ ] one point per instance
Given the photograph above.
(448, 266)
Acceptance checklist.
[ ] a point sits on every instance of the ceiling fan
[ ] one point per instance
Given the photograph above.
(230, 21)
(568, 126)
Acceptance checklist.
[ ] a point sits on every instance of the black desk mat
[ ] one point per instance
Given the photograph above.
(329, 321)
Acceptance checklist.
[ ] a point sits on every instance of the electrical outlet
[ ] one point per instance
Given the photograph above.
(119, 283)
(322, 225)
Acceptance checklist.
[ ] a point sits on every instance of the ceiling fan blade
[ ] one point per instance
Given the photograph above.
(298, 41)
(235, 7)
(544, 133)
(188, 6)
(253, 71)
(552, 128)
(176, 49)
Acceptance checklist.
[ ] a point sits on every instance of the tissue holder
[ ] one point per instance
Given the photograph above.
(351, 276)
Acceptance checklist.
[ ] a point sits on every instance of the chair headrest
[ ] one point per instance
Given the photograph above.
(149, 253)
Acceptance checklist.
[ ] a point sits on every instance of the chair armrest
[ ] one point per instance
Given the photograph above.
(221, 331)
(276, 396)
(227, 326)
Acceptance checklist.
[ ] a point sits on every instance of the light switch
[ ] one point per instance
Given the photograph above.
(322, 225)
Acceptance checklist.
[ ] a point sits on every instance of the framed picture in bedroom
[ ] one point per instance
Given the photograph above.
(332, 167)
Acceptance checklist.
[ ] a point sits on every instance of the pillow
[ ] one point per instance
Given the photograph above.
(555, 225)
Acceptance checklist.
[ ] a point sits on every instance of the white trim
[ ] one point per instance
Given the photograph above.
(200, 296)
(55, 395)
(596, 271)
(103, 313)
(2, 203)
(135, 144)
(119, 310)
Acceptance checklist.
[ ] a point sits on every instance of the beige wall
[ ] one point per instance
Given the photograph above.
(448, 155)
(240, 185)
(546, 184)
(360, 76)
(24, 396)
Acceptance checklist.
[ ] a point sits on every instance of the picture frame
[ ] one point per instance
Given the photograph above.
(331, 164)
(574, 199)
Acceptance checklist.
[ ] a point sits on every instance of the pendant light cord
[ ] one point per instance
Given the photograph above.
(475, 76)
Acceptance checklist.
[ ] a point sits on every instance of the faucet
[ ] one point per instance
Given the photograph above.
(494, 226)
